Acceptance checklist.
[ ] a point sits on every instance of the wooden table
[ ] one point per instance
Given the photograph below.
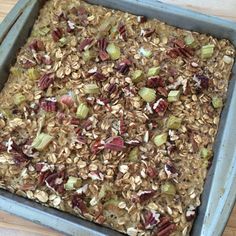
(15, 226)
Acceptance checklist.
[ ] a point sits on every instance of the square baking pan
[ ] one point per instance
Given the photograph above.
(219, 193)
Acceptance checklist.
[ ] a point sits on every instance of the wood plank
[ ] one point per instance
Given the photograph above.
(15, 226)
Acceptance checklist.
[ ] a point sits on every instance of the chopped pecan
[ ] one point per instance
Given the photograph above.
(19, 156)
(85, 44)
(75, 121)
(122, 127)
(3, 147)
(28, 187)
(96, 175)
(36, 45)
(147, 32)
(112, 88)
(70, 26)
(99, 76)
(124, 66)
(104, 56)
(165, 227)
(202, 81)
(155, 81)
(170, 170)
(141, 19)
(133, 142)
(49, 104)
(46, 59)
(162, 91)
(97, 146)
(39, 166)
(180, 49)
(78, 202)
(149, 219)
(42, 177)
(171, 148)
(87, 124)
(100, 219)
(103, 101)
(27, 63)
(151, 171)
(56, 181)
(67, 100)
(102, 44)
(160, 106)
(122, 31)
(115, 143)
(82, 139)
(190, 213)
(57, 34)
(146, 195)
(45, 81)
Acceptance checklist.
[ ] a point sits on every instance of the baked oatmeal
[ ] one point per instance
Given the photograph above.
(112, 117)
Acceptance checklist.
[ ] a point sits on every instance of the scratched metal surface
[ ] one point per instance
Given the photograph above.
(220, 188)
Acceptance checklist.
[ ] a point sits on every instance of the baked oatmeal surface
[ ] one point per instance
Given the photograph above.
(112, 117)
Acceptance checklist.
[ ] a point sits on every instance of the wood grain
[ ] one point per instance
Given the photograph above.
(14, 226)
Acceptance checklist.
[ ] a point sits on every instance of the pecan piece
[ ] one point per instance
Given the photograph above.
(122, 128)
(45, 81)
(141, 19)
(122, 31)
(124, 66)
(78, 202)
(115, 143)
(162, 91)
(36, 45)
(146, 195)
(151, 171)
(46, 59)
(180, 49)
(147, 32)
(160, 106)
(85, 44)
(97, 146)
(155, 81)
(202, 81)
(99, 76)
(170, 170)
(150, 219)
(49, 104)
(70, 26)
(112, 88)
(42, 177)
(19, 156)
(102, 44)
(67, 100)
(190, 213)
(164, 227)
(56, 181)
(27, 63)
(57, 34)
(104, 56)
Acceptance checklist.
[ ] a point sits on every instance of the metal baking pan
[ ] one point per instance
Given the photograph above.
(219, 193)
